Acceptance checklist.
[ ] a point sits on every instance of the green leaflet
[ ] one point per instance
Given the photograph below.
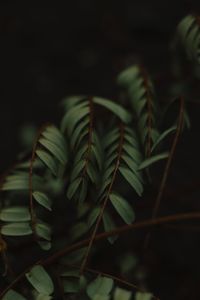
(53, 134)
(43, 230)
(78, 132)
(188, 32)
(132, 165)
(77, 169)
(132, 179)
(97, 150)
(111, 137)
(149, 161)
(127, 76)
(20, 181)
(40, 280)
(162, 136)
(12, 295)
(42, 199)
(185, 25)
(143, 296)
(132, 140)
(79, 154)
(70, 101)
(48, 160)
(45, 245)
(93, 216)
(15, 214)
(133, 153)
(118, 110)
(21, 184)
(73, 116)
(101, 286)
(16, 229)
(121, 294)
(108, 226)
(73, 187)
(55, 150)
(102, 193)
(92, 173)
(83, 190)
(123, 208)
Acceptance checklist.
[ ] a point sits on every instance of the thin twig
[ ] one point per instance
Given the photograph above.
(167, 168)
(120, 280)
(149, 112)
(90, 136)
(85, 259)
(118, 231)
(115, 278)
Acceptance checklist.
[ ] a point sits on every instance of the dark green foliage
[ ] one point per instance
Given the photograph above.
(79, 176)
(188, 32)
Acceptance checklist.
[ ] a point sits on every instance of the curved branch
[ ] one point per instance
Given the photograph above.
(120, 148)
(118, 231)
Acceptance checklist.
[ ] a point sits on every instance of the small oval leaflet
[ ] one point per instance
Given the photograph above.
(100, 286)
(40, 280)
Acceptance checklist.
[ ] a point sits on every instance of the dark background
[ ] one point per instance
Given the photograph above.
(50, 50)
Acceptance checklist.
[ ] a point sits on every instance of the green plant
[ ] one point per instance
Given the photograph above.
(77, 183)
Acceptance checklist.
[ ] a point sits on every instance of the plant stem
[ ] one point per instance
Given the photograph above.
(85, 259)
(120, 280)
(118, 231)
(167, 168)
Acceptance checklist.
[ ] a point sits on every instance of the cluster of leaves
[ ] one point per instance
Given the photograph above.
(188, 33)
(100, 288)
(88, 163)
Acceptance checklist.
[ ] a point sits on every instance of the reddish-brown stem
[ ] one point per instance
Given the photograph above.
(101, 236)
(149, 111)
(170, 158)
(120, 147)
(90, 134)
(100, 273)
(31, 205)
(168, 165)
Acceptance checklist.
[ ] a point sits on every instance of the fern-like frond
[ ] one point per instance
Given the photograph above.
(122, 156)
(188, 32)
(50, 147)
(142, 99)
(85, 146)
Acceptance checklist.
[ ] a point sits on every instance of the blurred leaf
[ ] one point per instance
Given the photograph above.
(12, 295)
(16, 229)
(101, 286)
(40, 280)
(149, 161)
(123, 208)
(120, 294)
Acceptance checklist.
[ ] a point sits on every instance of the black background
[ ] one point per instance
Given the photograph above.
(50, 50)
